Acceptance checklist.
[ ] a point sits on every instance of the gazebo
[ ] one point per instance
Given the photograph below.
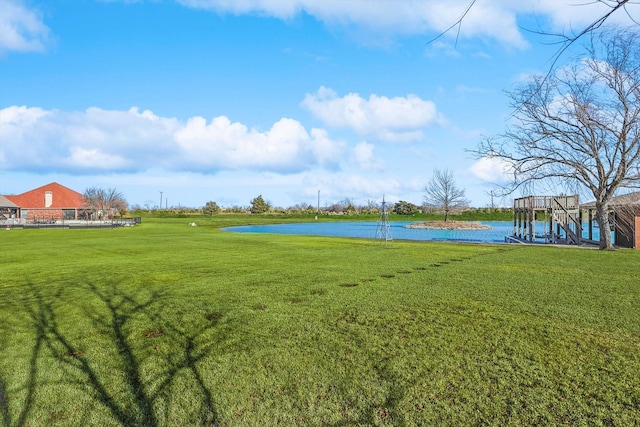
(625, 210)
(8, 209)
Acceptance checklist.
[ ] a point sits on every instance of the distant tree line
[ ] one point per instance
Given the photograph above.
(442, 197)
(401, 208)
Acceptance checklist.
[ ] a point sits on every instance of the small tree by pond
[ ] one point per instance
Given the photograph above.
(443, 192)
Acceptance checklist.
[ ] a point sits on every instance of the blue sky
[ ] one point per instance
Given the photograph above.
(225, 99)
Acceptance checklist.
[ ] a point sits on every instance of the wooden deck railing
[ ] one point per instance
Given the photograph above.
(547, 202)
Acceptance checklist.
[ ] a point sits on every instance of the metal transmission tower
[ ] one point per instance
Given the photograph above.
(383, 231)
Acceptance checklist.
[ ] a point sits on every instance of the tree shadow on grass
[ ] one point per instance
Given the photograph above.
(119, 329)
(38, 324)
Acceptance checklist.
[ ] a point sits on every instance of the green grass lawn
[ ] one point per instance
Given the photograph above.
(169, 325)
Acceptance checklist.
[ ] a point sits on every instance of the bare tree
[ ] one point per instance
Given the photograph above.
(443, 192)
(348, 206)
(579, 126)
(104, 201)
(372, 205)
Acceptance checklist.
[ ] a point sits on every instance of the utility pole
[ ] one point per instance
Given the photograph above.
(492, 195)
(160, 201)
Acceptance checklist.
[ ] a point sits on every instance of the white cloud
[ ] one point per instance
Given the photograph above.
(464, 89)
(327, 151)
(384, 18)
(388, 119)
(487, 19)
(362, 155)
(283, 9)
(492, 170)
(54, 140)
(95, 159)
(21, 29)
(127, 141)
(339, 186)
(570, 16)
(221, 144)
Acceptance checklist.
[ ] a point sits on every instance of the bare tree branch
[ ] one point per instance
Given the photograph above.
(564, 40)
(458, 24)
(567, 41)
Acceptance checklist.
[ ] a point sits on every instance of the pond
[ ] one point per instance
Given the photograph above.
(367, 230)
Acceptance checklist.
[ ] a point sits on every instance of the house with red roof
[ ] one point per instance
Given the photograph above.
(50, 202)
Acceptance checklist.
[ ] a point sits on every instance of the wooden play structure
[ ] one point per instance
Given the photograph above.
(560, 214)
(564, 218)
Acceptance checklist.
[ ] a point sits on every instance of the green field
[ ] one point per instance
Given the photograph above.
(164, 324)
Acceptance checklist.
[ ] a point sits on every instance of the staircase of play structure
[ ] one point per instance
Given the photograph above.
(565, 218)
